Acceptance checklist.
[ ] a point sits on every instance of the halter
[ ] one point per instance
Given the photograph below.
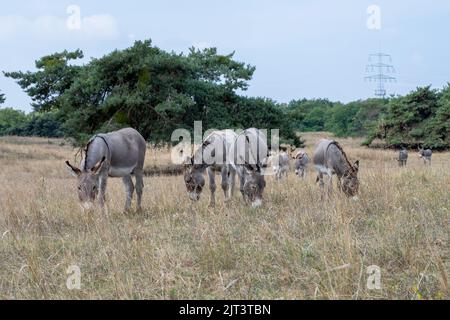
(90, 141)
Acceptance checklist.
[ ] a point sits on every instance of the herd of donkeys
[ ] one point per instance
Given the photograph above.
(245, 155)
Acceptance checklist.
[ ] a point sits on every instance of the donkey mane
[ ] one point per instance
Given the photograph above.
(86, 149)
(343, 153)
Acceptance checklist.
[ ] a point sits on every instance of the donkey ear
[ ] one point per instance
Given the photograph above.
(248, 168)
(98, 166)
(73, 170)
(356, 165)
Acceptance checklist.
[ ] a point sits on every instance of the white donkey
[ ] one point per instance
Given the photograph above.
(115, 154)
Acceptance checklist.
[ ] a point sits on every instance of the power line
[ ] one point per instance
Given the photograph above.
(381, 69)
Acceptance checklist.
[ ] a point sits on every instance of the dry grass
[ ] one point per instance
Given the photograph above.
(295, 247)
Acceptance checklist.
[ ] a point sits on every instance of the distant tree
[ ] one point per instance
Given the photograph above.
(11, 121)
(41, 125)
(2, 98)
(309, 115)
(418, 119)
(355, 118)
(438, 129)
(265, 114)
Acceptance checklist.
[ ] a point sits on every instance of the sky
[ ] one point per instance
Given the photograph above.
(301, 49)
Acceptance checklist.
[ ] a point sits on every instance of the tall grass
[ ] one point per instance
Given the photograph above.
(295, 247)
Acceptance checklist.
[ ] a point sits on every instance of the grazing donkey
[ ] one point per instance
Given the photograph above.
(115, 154)
(280, 164)
(249, 154)
(329, 158)
(425, 154)
(212, 157)
(301, 162)
(402, 157)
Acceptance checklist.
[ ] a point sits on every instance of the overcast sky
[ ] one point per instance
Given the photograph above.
(312, 49)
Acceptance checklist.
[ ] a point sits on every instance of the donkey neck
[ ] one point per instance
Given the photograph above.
(342, 168)
(341, 165)
(96, 149)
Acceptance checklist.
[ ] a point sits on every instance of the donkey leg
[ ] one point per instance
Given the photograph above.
(232, 177)
(242, 182)
(102, 190)
(226, 183)
(320, 180)
(129, 189)
(321, 184)
(212, 187)
(330, 184)
(139, 174)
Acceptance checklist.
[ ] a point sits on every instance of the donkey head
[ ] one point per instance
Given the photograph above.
(254, 184)
(194, 179)
(299, 162)
(349, 181)
(88, 183)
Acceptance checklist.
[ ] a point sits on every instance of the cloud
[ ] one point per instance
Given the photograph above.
(94, 27)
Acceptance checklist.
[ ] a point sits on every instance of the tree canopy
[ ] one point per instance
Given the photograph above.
(157, 92)
(421, 118)
(148, 89)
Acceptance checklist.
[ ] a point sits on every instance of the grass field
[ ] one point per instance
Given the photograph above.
(294, 247)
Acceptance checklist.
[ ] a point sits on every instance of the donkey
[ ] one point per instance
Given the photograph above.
(115, 154)
(402, 157)
(211, 157)
(425, 154)
(280, 164)
(301, 162)
(249, 154)
(329, 158)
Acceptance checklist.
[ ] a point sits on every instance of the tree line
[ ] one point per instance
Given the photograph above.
(156, 92)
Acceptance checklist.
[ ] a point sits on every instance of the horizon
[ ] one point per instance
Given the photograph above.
(300, 49)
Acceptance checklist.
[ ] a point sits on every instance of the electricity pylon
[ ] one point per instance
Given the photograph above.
(380, 68)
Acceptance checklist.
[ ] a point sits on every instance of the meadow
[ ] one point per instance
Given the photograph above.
(294, 247)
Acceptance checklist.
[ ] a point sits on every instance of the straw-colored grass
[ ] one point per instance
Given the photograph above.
(294, 247)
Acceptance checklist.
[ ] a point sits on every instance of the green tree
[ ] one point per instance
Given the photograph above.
(439, 127)
(11, 121)
(53, 77)
(2, 98)
(418, 119)
(146, 88)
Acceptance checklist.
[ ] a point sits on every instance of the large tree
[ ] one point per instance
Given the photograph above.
(144, 87)
(53, 77)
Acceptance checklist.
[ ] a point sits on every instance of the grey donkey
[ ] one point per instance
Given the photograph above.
(402, 157)
(280, 163)
(329, 158)
(211, 157)
(425, 154)
(301, 162)
(249, 156)
(116, 154)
